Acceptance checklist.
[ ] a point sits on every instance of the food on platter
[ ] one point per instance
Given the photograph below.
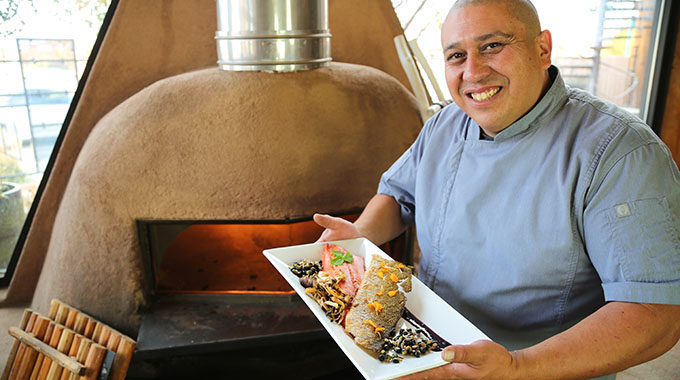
(336, 260)
(424, 311)
(333, 287)
(367, 304)
(305, 268)
(379, 303)
(407, 341)
(325, 290)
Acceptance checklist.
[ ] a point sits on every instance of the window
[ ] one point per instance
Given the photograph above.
(602, 46)
(44, 45)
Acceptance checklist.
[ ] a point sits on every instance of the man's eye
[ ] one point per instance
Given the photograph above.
(455, 56)
(493, 45)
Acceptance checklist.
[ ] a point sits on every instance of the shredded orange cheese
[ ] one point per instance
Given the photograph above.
(376, 329)
(380, 274)
(377, 306)
(392, 293)
(380, 293)
(394, 277)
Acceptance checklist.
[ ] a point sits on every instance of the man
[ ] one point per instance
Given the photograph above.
(547, 217)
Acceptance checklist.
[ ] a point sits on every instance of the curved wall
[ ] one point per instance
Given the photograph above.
(213, 145)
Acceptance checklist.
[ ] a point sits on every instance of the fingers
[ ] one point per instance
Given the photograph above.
(335, 228)
(324, 236)
(473, 353)
(482, 359)
(456, 354)
(323, 220)
(449, 354)
(328, 222)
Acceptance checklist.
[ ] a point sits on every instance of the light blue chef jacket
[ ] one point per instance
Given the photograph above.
(575, 204)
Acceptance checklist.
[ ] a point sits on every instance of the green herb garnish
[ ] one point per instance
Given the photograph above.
(341, 257)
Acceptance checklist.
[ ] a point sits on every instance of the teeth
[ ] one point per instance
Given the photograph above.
(482, 96)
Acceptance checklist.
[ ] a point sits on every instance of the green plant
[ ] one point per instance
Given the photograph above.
(10, 168)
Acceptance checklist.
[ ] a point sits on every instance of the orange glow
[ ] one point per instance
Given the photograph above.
(227, 258)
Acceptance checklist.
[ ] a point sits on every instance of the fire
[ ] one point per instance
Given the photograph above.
(227, 258)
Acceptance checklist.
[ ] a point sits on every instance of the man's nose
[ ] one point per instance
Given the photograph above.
(475, 68)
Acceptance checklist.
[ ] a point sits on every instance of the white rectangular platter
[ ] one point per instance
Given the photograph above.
(421, 301)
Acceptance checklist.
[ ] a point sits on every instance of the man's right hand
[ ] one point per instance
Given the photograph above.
(380, 222)
(335, 228)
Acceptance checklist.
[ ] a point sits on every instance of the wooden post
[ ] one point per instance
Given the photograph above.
(71, 319)
(54, 308)
(22, 347)
(81, 356)
(81, 322)
(93, 362)
(30, 355)
(15, 347)
(62, 314)
(89, 328)
(121, 361)
(47, 362)
(104, 335)
(97, 331)
(72, 353)
(63, 347)
(41, 356)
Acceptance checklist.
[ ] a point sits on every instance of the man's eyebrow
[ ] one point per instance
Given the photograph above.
(482, 38)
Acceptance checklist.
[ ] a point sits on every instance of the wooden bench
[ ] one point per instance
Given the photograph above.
(66, 344)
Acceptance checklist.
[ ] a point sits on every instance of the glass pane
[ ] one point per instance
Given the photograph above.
(38, 77)
(605, 51)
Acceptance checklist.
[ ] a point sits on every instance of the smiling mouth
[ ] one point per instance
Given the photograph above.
(484, 95)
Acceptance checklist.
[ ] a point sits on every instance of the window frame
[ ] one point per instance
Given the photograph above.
(28, 222)
(661, 56)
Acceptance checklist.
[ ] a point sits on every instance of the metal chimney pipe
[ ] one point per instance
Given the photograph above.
(272, 35)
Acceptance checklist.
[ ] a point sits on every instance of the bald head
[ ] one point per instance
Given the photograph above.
(522, 10)
(496, 60)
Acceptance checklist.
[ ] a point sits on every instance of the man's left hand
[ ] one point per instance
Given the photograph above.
(482, 359)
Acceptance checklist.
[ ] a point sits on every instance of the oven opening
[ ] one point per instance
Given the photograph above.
(219, 257)
(225, 257)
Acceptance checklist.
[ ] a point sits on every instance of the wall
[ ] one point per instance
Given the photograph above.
(154, 39)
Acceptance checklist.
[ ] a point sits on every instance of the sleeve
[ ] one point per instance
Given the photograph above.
(400, 179)
(631, 224)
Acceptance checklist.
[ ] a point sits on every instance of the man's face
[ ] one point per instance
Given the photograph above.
(495, 72)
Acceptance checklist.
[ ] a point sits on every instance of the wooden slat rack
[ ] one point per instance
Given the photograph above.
(66, 345)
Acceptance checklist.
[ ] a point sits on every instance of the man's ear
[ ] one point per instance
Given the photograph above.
(544, 47)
